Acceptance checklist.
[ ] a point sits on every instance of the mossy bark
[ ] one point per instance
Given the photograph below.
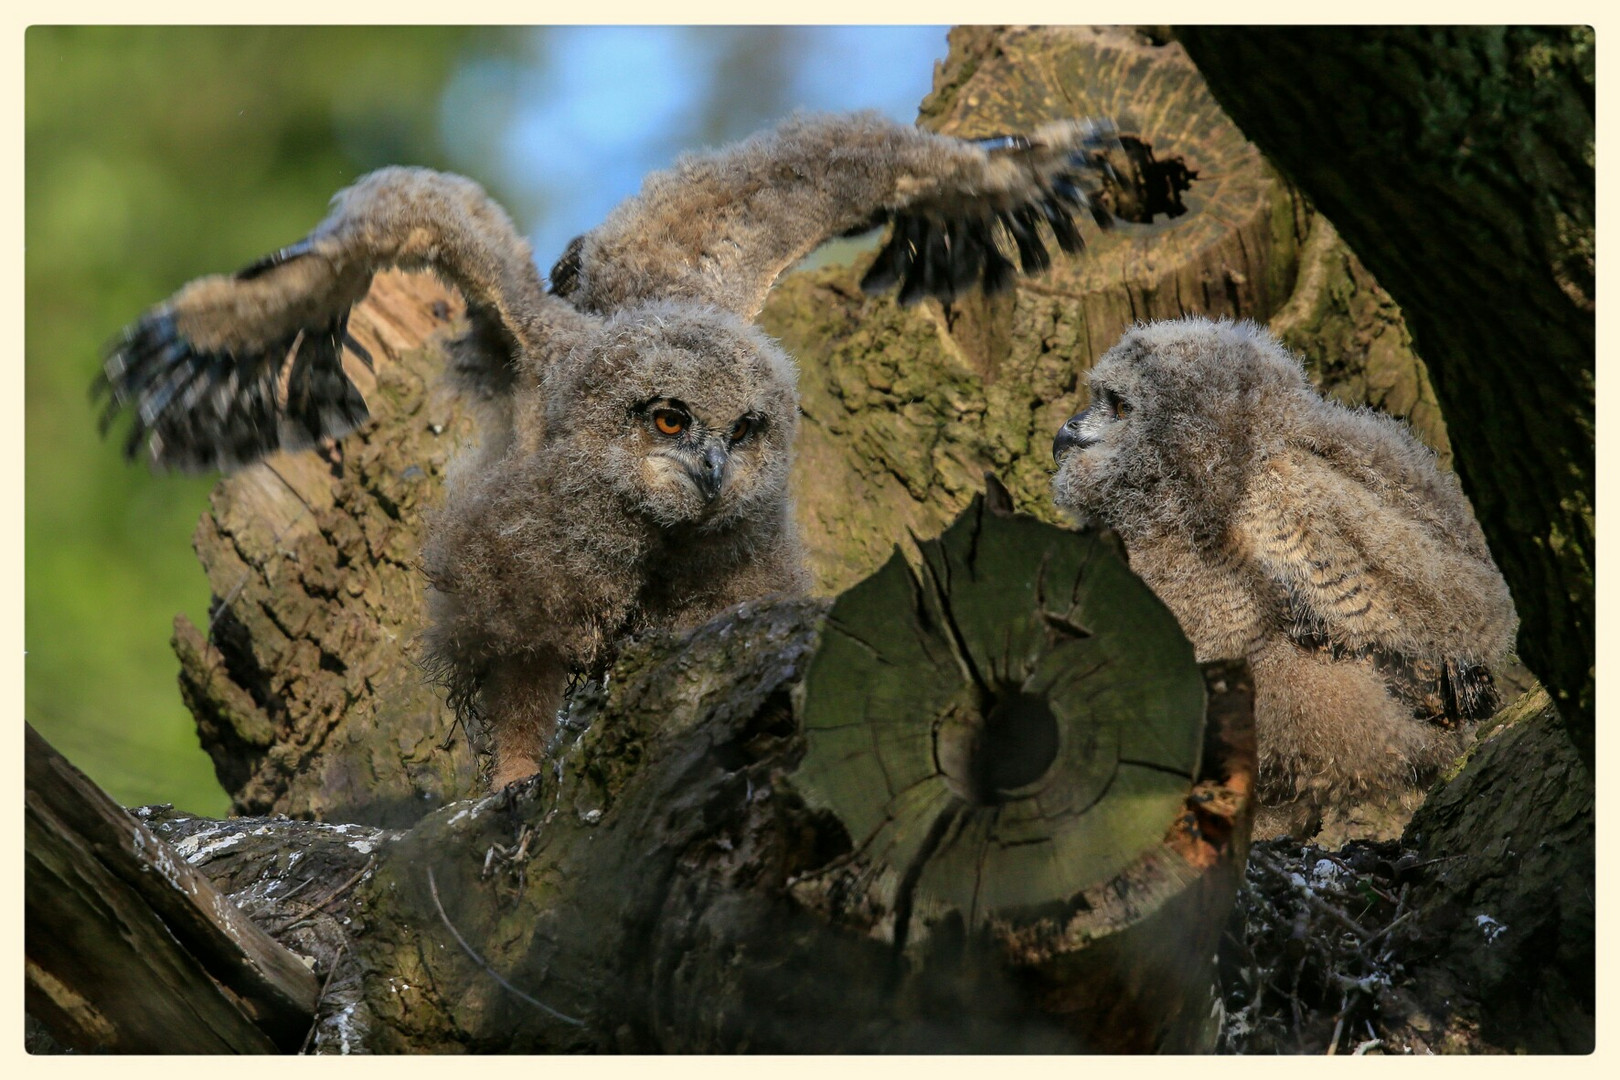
(1508, 907)
(305, 686)
(905, 408)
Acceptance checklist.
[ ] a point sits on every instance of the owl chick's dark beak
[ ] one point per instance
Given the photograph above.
(710, 473)
(1069, 437)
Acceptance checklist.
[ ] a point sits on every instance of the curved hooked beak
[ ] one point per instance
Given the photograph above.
(709, 474)
(1069, 436)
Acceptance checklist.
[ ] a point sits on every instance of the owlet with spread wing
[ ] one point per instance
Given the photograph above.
(1322, 543)
(636, 427)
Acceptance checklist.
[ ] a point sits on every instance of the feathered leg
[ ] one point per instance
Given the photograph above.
(521, 696)
(1328, 727)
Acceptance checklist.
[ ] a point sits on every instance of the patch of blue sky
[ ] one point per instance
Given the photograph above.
(590, 110)
(889, 68)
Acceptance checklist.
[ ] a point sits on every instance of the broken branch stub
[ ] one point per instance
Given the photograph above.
(1012, 735)
(129, 948)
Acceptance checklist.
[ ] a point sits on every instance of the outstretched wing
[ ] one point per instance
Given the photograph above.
(720, 227)
(233, 367)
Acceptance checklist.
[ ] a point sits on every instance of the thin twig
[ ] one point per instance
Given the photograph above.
(316, 1022)
(1328, 909)
(295, 890)
(1338, 1027)
(1388, 928)
(309, 909)
(433, 889)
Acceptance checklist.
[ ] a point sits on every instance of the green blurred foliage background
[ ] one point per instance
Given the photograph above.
(156, 154)
(153, 155)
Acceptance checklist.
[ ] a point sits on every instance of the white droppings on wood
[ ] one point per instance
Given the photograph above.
(200, 847)
(158, 859)
(472, 810)
(1326, 871)
(346, 1025)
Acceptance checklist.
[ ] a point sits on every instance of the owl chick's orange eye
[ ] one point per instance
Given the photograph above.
(740, 429)
(1121, 408)
(669, 421)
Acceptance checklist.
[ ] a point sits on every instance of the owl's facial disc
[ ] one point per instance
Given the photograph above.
(702, 451)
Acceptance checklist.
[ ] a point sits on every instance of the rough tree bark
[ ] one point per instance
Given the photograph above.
(1508, 905)
(1476, 144)
(129, 948)
(304, 686)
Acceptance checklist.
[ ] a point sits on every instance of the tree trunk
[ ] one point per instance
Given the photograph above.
(971, 808)
(1478, 143)
(1509, 906)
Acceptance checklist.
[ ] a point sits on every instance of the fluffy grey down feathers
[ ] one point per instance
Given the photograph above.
(1322, 543)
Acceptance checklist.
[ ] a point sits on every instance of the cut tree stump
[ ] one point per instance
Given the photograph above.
(690, 878)
(1005, 734)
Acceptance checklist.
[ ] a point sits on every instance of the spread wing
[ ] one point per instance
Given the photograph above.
(1369, 567)
(720, 227)
(233, 367)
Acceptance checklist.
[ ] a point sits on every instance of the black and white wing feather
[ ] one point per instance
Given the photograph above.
(233, 367)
